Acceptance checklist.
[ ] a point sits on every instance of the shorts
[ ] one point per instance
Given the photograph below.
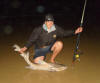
(42, 51)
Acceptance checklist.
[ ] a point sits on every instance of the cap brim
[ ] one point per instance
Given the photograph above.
(49, 20)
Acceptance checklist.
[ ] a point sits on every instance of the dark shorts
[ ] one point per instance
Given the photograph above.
(42, 51)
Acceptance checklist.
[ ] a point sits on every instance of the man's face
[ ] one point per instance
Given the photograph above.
(49, 23)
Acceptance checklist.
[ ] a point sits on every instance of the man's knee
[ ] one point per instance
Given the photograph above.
(59, 44)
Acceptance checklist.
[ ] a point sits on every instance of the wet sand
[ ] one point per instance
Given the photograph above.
(12, 66)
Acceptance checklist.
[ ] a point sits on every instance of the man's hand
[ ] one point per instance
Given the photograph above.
(78, 30)
(23, 50)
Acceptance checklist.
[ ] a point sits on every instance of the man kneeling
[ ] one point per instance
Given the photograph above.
(45, 39)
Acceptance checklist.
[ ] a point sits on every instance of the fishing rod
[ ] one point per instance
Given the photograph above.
(76, 55)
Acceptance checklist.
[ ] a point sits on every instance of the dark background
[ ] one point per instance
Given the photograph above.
(17, 20)
(27, 14)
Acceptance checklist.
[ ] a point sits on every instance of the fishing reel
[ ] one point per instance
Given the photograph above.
(76, 57)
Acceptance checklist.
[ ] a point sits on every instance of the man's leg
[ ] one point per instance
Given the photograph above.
(56, 48)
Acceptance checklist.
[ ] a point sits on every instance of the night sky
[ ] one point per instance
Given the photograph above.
(29, 12)
(30, 7)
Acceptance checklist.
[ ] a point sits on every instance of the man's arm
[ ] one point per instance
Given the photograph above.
(64, 33)
(32, 39)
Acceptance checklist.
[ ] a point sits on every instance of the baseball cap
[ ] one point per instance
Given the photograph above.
(49, 17)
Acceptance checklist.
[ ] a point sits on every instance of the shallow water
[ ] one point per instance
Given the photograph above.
(12, 66)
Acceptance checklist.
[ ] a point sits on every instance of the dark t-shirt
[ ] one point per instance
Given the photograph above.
(41, 37)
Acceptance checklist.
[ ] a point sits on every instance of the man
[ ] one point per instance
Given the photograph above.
(45, 39)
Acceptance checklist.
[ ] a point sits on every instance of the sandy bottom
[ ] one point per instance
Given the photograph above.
(12, 66)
